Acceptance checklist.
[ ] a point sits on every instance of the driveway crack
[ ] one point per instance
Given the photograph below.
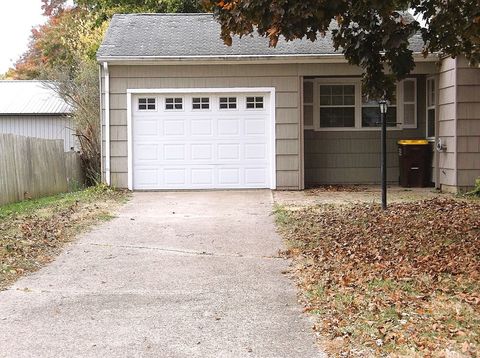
(188, 252)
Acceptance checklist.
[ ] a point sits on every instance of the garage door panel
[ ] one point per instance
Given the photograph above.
(202, 149)
(201, 127)
(174, 176)
(146, 177)
(255, 175)
(173, 127)
(174, 152)
(228, 127)
(146, 152)
(229, 151)
(229, 176)
(255, 127)
(254, 151)
(147, 128)
(202, 176)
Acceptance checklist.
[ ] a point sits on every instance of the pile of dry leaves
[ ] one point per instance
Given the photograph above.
(402, 282)
(29, 240)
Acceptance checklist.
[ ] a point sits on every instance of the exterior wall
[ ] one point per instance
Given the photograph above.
(283, 77)
(286, 78)
(459, 124)
(40, 126)
(353, 157)
(446, 126)
(468, 124)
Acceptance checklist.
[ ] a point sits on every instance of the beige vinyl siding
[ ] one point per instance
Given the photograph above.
(446, 122)
(353, 157)
(468, 123)
(283, 77)
(41, 126)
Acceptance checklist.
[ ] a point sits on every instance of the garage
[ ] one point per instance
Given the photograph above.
(200, 139)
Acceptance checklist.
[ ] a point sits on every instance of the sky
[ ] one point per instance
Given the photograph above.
(16, 21)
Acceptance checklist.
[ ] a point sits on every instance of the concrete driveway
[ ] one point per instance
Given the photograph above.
(188, 274)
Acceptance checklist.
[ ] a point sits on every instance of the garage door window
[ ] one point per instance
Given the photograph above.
(228, 102)
(200, 103)
(254, 102)
(147, 104)
(174, 103)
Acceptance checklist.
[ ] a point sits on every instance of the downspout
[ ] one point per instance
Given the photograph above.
(100, 76)
(107, 123)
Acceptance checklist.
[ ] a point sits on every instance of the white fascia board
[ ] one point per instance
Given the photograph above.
(239, 59)
(201, 90)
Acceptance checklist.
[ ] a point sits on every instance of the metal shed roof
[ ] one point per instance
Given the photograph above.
(166, 36)
(30, 97)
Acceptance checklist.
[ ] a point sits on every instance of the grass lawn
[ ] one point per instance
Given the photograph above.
(400, 283)
(32, 232)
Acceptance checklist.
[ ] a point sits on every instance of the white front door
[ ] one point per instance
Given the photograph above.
(202, 141)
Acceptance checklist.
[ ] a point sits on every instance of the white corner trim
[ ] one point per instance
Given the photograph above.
(129, 141)
(107, 123)
(269, 90)
(273, 158)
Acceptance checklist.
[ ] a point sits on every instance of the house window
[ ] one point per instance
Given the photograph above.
(431, 103)
(200, 103)
(147, 104)
(174, 103)
(228, 102)
(308, 104)
(371, 112)
(254, 102)
(337, 106)
(409, 92)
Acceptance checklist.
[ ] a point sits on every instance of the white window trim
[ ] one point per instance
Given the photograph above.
(203, 109)
(358, 105)
(427, 107)
(237, 103)
(255, 103)
(157, 102)
(174, 109)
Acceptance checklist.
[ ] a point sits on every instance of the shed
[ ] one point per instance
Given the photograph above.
(34, 109)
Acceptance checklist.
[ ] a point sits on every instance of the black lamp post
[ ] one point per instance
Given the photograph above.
(383, 168)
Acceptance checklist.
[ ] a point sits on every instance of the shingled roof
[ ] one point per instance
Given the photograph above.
(168, 36)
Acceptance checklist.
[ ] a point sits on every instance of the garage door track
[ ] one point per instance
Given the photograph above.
(185, 274)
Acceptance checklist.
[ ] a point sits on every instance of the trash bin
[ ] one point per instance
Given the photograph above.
(414, 163)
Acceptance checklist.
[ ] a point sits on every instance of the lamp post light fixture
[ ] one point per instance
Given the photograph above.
(383, 166)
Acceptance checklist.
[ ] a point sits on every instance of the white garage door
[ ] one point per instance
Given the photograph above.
(202, 141)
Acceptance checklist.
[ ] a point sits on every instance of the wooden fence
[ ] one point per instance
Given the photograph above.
(34, 167)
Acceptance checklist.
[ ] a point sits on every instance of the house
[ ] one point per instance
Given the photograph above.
(180, 110)
(33, 109)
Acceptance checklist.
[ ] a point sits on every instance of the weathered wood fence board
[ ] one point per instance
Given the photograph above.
(34, 167)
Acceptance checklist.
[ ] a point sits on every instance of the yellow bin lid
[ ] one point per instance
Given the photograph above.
(413, 142)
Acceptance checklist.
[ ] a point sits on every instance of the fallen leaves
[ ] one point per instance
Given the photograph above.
(403, 281)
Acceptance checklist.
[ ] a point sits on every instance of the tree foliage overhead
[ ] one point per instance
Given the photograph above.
(373, 34)
(106, 8)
